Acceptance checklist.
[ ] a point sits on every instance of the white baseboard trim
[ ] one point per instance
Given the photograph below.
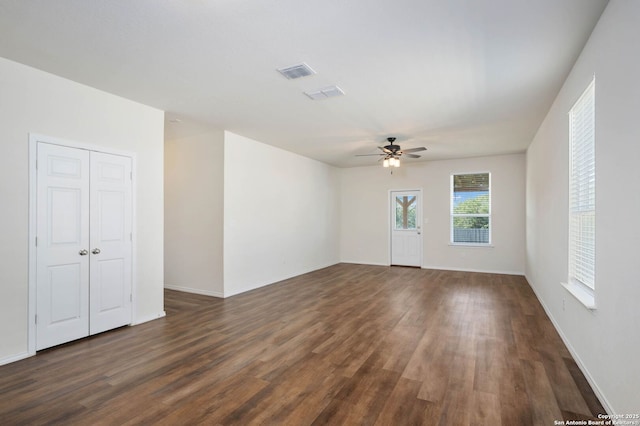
(283, 278)
(358, 262)
(14, 358)
(441, 268)
(194, 290)
(148, 318)
(603, 400)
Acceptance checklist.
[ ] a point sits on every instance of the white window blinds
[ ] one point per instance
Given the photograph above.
(582, 190)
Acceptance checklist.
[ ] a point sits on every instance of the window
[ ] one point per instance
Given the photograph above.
(471, 208)
(582, 191)
(405, 212)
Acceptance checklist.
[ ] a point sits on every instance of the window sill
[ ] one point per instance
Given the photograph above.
(584, 296)
(472, 245)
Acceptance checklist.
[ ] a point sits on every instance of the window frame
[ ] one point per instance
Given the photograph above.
(583, 289)
(453, 215)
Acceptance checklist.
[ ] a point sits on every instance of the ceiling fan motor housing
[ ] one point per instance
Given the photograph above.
(391, 147)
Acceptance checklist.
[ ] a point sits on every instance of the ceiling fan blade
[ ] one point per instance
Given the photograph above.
(366, 155)
(411, 155)
(385, 150)
(422, 148)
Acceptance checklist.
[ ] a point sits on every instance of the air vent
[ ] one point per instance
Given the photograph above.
(296, 71)
(327, 92)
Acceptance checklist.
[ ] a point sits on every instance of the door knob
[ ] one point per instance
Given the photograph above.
(83, 252)
(95, 251)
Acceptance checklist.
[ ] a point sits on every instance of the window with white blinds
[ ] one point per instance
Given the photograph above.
(471, 209)
(582, 190)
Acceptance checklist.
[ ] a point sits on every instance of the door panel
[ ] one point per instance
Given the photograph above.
(62, 273)
(111, 296)
(65, 286)
(64, 210)
(110, 283)
(406, 235)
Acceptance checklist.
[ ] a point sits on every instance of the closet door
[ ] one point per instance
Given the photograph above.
(62, 248)
(110, 239)
(84, 248)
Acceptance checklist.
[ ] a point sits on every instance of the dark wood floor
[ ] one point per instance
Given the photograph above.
(349, 344)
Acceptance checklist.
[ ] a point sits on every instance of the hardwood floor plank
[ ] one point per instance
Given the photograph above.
(429, 364)
(595, 407)
(563, 385)
(398, 346)
(485, 409)
(348, 344)
(403, 406)
(362, 397)
(515, 407)
(490, 365)
(209, 406)
(544, 405)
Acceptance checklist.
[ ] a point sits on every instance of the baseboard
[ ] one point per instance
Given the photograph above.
(596, 389)
(357, 262)
(474, 270)
(440, 268)
(14, 358)
(283, 278)
(148, 318)
(194, 290)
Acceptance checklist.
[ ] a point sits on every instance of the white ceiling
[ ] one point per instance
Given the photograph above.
(461, 77)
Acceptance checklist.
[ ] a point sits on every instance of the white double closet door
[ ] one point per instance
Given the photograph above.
(84, 243)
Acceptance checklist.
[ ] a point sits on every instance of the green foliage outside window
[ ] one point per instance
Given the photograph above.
(479, 204)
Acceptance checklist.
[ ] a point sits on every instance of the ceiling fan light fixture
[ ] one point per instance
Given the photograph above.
(391, 153)
(391, 162)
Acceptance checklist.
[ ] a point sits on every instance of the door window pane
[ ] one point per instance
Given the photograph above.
(405, 212)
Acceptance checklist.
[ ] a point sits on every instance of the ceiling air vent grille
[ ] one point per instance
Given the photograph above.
(327, 92)
(296, 71)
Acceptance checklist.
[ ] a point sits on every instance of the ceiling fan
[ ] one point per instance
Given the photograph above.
(392, 153)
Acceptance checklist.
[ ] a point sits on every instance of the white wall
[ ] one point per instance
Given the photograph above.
(194, 186)
(605, 342)
(38, 102)
(280, 214)
(364, 229)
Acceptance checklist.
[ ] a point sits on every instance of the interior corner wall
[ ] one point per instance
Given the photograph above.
(194, 185)
(33, 101)
(605, 342)
(280, 214)
(365, 213)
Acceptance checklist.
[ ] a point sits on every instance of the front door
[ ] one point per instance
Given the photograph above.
(406, 233)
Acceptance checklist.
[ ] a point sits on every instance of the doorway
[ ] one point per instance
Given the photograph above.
(406, 228)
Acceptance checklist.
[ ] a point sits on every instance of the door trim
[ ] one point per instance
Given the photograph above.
(34, 138)
(420, 219)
